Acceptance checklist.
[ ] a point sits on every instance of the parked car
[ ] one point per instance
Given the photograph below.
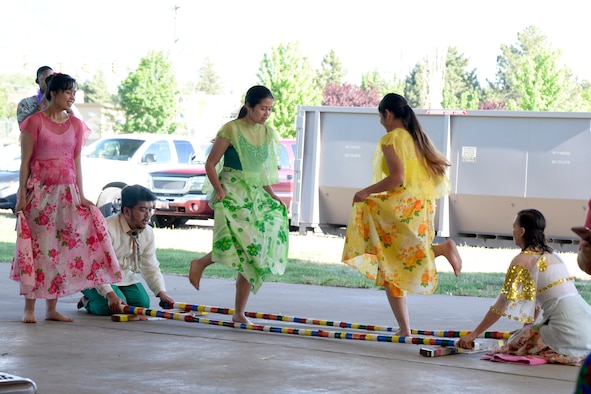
(10, 162)
(113, 162)
(180, 189)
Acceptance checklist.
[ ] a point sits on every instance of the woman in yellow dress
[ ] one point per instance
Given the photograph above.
(391, 228)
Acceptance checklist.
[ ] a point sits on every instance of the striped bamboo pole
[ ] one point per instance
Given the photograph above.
(459, 334)
(134, 310)
(341, 324)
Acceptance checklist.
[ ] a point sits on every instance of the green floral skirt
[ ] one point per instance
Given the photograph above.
(251, 230)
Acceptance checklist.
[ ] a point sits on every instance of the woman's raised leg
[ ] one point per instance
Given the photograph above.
(449, 250)
(197, 267)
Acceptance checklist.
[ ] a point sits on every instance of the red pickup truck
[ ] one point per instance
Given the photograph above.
(180, 195)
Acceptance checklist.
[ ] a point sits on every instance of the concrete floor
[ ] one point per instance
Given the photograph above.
(95, 355)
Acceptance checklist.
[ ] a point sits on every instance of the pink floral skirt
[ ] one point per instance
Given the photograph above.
(62, 247)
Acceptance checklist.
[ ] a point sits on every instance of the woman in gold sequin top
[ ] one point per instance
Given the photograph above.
(538, 281)
(251, 227)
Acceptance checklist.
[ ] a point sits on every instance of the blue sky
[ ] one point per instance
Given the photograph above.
(389, 36)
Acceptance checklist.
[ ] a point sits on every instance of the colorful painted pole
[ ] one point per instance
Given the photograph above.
(459, 334)
(317, 322)
(292, 331)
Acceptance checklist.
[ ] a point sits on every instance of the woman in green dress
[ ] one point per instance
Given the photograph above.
(251, 228)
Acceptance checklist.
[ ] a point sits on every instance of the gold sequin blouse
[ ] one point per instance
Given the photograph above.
(532, 279)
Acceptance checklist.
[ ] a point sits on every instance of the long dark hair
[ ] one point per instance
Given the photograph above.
(254, 96)
(534, 224)
(395, 103)
(58, 83)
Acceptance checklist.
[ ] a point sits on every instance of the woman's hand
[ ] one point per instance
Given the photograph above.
(218, 196)
(274, 196)
(467, 341)
(360, 196)
(280, 201)
(86, 203)
(20, 205)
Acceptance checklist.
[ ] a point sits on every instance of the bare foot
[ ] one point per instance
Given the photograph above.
(196, 269)
(56, 316)
(450, 251)
(240, 318)
(29, 317)
(195, 272)
(401, 333)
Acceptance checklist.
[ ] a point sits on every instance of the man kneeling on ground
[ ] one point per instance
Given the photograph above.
(133, 241)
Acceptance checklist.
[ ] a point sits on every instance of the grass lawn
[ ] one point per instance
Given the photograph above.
(315, 260)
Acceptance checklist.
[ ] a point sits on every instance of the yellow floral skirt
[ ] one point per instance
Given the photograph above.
(389, 240)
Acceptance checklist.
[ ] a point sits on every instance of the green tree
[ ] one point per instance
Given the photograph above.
(424, 85)
(462, 89)
(528, 74)
(415, 87)
(16, 82)
(571, 97)
(187, 87)
(96, 91)
(374, 78)
(148, 97)
(209, 81)
(585, 87)
(331, 71)
(10, 83)
(291, 78)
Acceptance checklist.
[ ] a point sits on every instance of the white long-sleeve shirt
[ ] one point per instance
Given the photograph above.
(148, 264)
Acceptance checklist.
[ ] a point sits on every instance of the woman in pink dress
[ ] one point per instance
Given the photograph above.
(62, 243)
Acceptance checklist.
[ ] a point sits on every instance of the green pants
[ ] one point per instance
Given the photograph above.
(134, 295)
